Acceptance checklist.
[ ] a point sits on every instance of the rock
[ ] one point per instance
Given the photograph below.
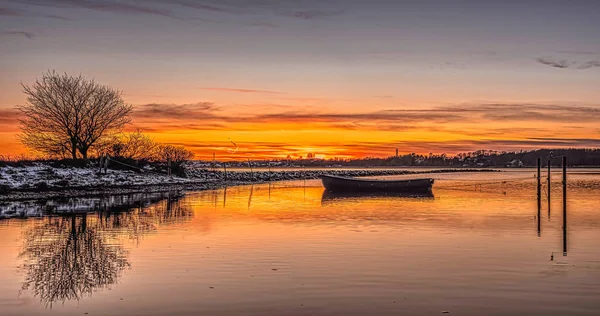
(62, 183)
(42, 185)
(4, 188)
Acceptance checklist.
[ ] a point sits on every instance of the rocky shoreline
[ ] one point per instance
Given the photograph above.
(45, 183)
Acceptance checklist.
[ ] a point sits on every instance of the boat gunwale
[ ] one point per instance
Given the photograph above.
(374, 180)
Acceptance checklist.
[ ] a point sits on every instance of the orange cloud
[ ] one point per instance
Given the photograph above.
(275, 132)
(242, 90)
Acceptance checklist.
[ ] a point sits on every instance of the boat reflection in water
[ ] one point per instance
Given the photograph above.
(74, 255)
(331, 196)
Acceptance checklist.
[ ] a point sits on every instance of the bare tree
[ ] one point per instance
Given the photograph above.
(67, 115)
(131, 146)
(176, 155)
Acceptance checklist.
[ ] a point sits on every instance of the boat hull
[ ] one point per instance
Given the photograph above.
(342, 184)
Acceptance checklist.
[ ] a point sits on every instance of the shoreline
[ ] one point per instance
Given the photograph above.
(126, 182)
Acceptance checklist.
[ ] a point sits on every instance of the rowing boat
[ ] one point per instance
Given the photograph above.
(341, 184)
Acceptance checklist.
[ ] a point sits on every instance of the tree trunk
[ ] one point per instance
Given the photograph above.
(84, 152)
(74, 150)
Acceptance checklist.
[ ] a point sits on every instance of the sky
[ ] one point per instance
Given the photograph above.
(333, 78)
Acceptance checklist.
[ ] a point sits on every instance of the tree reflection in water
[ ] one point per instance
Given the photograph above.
(65, 259)
(72, 256)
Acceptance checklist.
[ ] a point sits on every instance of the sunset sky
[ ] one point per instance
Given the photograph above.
(335, 78)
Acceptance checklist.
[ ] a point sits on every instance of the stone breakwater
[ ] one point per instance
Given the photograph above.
(264, 176)
(42, 181)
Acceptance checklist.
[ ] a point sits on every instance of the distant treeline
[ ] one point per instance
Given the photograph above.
(480, 158)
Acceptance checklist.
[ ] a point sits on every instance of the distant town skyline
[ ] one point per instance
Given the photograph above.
(332, 78)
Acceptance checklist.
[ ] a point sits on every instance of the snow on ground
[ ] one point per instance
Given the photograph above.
(41, 176)
(41, 188)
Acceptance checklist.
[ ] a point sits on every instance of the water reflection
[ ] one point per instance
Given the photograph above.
(67, 259)
(73, 255)
(470, 252)
(329, 196)
(71, 205)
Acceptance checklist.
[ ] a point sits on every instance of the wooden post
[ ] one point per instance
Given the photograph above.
(539, 184)
(549, 178)
(564, 165)
(225, 169)
(169, 166)
(106, 159)
(100, 163)
(251, 172)
(213, 164)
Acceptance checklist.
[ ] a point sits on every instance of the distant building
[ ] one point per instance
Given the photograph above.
(515, 163)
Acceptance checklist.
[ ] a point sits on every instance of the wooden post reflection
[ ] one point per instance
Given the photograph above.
(564, 165)
(549, 187)
(250, 196)
(539, 184)
(539, 199)
(539, 224)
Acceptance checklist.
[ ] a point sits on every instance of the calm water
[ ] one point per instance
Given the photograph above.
(475, 247)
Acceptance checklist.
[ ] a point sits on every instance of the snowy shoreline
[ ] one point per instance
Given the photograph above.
(41, 181)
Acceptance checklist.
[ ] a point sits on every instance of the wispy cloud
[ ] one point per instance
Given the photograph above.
(100, 5)
(554, 63)
(9, 116)
(457, 146)
(199, 5)
(205, 126)
(565, 63)
(235, 90)
(576, 52)
(263, 24)
(27, 35)
(162, 112)
(10, 12)
(9, 120)
(305, 10)
(519, 112)
(433, 119)
(331, 149)
(23, 13)
(589, 64)
(455, 113)
(57, 17)
(312, 14)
